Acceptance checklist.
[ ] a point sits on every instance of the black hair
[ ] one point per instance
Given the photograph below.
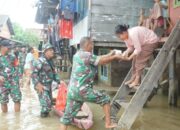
(119, 29)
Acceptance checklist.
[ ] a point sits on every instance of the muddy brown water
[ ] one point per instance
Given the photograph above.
(157, 116)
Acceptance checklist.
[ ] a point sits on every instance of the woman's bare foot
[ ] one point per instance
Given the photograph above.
(134, 85)
(129, 81)
(112, 125)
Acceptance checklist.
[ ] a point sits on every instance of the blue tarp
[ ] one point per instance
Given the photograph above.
(68, 4)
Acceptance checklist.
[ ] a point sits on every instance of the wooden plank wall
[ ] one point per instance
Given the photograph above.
(106, 14)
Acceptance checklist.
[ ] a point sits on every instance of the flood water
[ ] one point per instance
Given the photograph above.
(157, 116)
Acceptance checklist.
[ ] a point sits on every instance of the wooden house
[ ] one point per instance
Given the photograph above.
(100, 22)
(6, 29)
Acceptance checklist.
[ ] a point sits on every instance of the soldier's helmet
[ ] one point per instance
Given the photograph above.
(46, 47)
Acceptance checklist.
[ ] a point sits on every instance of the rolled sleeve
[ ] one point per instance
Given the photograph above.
(130, 48)
(94, 60)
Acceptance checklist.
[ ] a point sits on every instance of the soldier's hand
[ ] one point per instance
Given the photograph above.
(1, 79)
(40, 88)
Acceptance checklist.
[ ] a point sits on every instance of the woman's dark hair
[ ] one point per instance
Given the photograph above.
(119, 29)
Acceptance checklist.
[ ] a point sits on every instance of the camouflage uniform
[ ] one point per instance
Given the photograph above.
(44, 73)
(81, 86)
(22, 58)
(11, 83)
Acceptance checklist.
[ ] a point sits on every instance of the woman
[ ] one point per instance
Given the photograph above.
(28, 65)
(140, 43)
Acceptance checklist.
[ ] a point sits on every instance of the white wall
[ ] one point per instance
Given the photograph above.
(80, 30)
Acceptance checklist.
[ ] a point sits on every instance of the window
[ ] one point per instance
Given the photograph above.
(104, 68)
(176, 3)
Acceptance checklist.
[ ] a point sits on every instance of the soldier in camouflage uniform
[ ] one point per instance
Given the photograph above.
(80, 88)
(43, 75)
(22, 58)
(9, 81)
(20, 69)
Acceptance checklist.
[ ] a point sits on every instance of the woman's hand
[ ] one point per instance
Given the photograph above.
(125, 54)
(112, 52)
(130, 57)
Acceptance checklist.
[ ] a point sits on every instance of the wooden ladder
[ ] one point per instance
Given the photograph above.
(149, 82)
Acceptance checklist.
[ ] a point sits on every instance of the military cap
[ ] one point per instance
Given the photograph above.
(46, 47)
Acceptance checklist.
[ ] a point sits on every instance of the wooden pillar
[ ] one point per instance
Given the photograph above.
(173, 85)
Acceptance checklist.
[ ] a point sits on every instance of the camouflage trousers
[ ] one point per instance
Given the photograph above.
(45, 99)
(75, 101)
(21, 69)
(12, 90)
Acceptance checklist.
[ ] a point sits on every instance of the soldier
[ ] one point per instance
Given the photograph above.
(42, 76)
(22, 57)
(81, 83)
(9, 83)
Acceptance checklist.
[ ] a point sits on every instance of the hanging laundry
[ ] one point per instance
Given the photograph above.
(65, 29)
(68, 4)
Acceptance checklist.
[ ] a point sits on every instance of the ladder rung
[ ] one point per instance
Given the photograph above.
(123, 104)
(163, 82)
(157, 50)
(147, 68)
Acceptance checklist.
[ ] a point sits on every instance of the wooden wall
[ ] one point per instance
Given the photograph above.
(106, 14)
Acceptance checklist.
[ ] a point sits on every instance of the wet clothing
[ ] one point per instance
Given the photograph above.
(44, 73)
(80, 88)
(139, 62)
(142, 42)
(11, 82)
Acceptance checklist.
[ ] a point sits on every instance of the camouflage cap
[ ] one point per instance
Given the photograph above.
(46, 47)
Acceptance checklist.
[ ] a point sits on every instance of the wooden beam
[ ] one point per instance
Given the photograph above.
(173, 86)
(109, 44)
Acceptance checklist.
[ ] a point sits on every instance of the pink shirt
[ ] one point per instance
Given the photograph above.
(138, 37)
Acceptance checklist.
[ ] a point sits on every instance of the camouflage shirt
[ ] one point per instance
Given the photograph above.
(7, 68)
(83, 71)
(22, 58)
(44, 73)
